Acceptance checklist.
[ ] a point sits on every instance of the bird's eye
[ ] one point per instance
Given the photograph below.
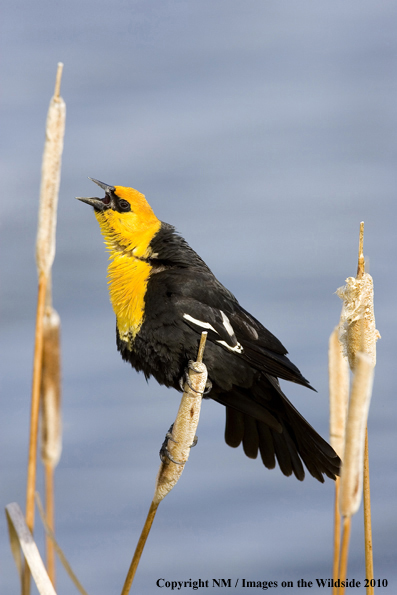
(124, 205)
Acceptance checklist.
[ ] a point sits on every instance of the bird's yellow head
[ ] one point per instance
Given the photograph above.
(127, 221)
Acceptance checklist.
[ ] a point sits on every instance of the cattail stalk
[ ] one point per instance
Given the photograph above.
(358, 335)
(51, 431)
(338, 398)
(344, 555)
(353, 464)
(183, 434)
(50, 515)
(369, 563)
(45, 252)
(21, 539)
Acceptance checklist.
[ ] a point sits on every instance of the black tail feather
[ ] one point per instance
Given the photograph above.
(296, 443)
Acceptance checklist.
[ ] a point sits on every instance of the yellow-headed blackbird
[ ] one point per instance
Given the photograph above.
(164, 296)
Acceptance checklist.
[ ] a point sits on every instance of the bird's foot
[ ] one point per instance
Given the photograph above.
(164, 452)
(185, 378)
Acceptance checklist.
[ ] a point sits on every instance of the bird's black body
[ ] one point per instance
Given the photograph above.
(244, 360)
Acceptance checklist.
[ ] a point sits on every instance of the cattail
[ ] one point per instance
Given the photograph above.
(45, 253)
(51, 425)
(338, 368)
(358, 336)
(357, 326)
(21, 539)
(338, 392)
(357, 331)
(183, 432)
(183, 435)
(50, 179)
(353, 461)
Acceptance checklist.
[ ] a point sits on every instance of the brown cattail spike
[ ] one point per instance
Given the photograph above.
(50, 180)
(51, 430)
(183, 434)
(45, 253)
(353, 460)
(338, 392)
(185, 426)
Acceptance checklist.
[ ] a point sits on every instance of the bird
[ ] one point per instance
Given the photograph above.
(164, 295)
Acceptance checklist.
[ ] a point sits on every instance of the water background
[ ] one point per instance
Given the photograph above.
(265, 132)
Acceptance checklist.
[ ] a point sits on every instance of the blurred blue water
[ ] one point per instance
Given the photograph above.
(265, 132)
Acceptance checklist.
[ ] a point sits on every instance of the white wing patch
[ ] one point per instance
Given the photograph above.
(199, 322)
(237, 349)
(226, 324)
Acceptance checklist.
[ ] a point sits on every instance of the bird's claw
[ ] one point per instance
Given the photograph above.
(164, 452)
(191, 366)
(208, 387)
(185, 378)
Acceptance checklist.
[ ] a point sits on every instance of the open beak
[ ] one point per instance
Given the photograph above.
(108, 189)
(99, 203)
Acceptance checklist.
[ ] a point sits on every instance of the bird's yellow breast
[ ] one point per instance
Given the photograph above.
(128, 279)
(127, 238)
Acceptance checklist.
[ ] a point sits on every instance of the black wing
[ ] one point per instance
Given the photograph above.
(204, 304)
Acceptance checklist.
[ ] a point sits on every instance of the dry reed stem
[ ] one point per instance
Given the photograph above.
(34, 417)
(369, 564)
(361, 260)
(50, 506)
(344, 552)
(183, 433)
(45, 252)
(352, 468)
(139, 548)
(369, 567)
(51, 431)
(21, 537)
(337, 536)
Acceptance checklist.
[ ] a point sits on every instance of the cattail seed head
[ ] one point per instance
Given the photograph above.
(353, 458)
(51, 424)
(357, 331)
(50, 180)
(338, 392)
